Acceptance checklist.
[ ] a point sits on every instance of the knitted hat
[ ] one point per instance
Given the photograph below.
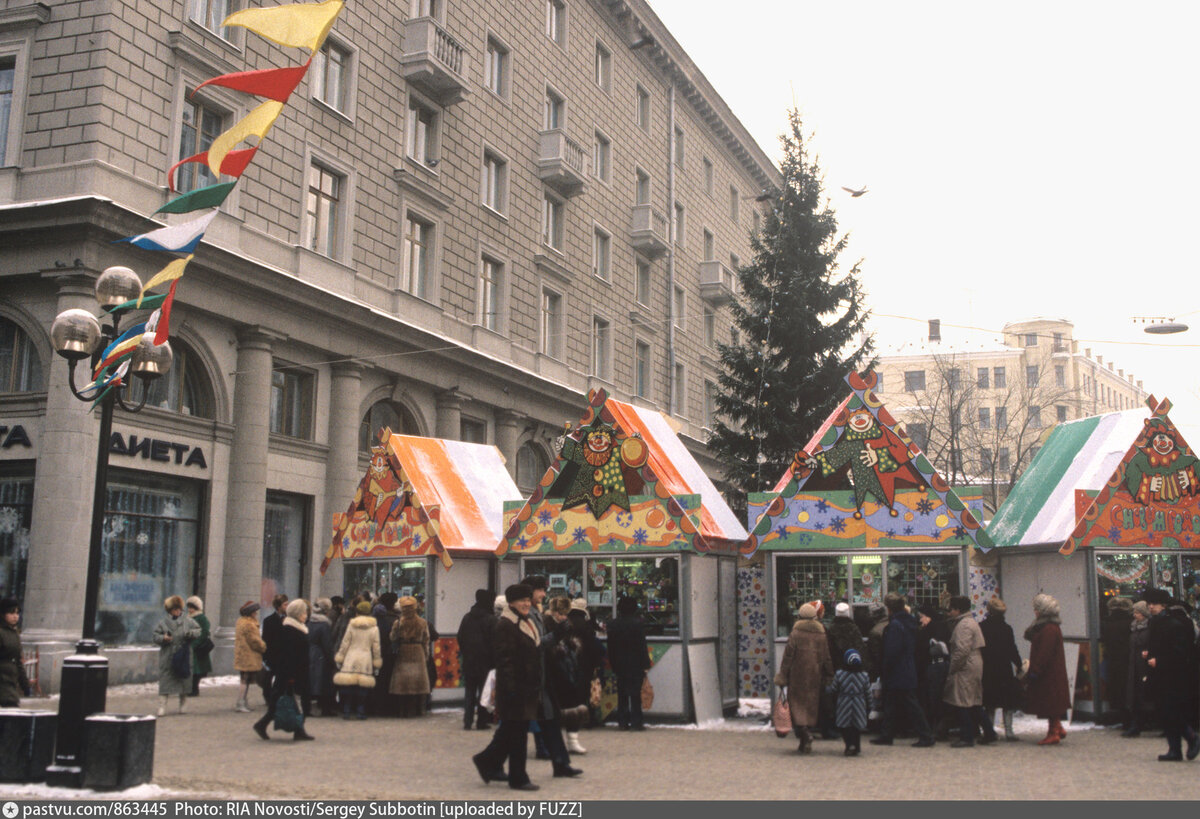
(363, 608)
(808, 612)
(196, 603)
(248, 608)
(997, 605)
(841, 610)
(851, 659)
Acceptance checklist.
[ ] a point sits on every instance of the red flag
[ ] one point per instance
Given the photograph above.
(164, 320)
(234, 164)
(273, 83)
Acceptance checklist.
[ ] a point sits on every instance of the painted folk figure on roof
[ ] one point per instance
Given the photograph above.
(594, 467)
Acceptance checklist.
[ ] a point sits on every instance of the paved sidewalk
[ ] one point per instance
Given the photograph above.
(212, 750)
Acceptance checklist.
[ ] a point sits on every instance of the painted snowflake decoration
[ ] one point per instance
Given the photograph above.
(822, 505)
(579, 535)
(838, 525)
(624, 519)
(142, 539)
(640, 536)
(924, 506)
(544, 517)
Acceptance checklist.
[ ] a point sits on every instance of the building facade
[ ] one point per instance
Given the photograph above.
(980, 407)
(468, 214)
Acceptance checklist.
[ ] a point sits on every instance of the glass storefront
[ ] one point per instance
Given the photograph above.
(1131, 573)
(404, 577)
(16, 514)
(285, 546)
(803, 578)
(652, 581)
(149, 552)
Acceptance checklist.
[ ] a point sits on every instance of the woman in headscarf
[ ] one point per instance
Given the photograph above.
(1001, 661)
(174, 633)
(201, 660)
(806, 670)
(410, 679)
(1048, 696)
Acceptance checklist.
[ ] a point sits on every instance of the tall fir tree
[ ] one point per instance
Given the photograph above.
(801, 328)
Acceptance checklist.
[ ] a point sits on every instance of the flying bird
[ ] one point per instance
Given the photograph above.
(854, 193)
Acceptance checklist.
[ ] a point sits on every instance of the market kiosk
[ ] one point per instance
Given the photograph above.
(861, 512)
(425, 501)
(1108, 507)
(624, 510)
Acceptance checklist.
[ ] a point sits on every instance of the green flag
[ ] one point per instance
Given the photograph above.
(209, 197)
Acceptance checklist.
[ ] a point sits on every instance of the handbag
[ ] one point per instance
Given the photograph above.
(204, 646)
(181, 662)
(288, 716)
(487, 698)
(647, 694)
(781, 715)
(597, 693)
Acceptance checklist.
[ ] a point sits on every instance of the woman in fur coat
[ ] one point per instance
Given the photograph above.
(358, 658)
(248, 650)
(806, 670)
(410, 638)
(291, 665)
(172, 632)
(1048, 696)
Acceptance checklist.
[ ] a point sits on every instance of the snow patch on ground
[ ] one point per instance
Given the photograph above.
(39, 790)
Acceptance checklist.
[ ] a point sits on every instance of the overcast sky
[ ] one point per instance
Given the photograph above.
(1023, 158)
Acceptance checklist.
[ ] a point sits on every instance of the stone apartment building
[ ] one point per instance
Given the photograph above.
(980, 407)
(469, 213)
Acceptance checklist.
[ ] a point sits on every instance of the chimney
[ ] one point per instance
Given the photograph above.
(1140, 384)
(1110, 366)
(1099, 359)
(1121, 373)
(935, 329)
(1087, 352)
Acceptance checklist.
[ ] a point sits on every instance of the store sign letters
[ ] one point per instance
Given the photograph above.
(154, 449)
(14, 435)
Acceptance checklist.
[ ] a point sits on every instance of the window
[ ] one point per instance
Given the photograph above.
(491, 276)
(1031, 376)
(919, 434)
(601, 348)
(405, 577)
(981, 378)
(416, 267)
(554, 114)
(603, 72)
(954, 378)
(1035, 416)
(679, 394)
(324, 204)
(642, 191)
(210, 14)
(800, 579)
(985, 418)
(1002, 460)
(710, 327)
(425, 8)
(1061, 413)
(552, 222)
(1058, 343)
(641, 369)
(1060, 375)
(652, 581)
(1001, 418)
(643, 281)
(735, 202)
(421, 137)
(552, 318)
(16, 509)
(291, 401)
(679, 224)
(472, 430)
(531, 466)
(556, 21)
(643, 108)
(1030, 339)
(678, 146)
(710, 403)
(986, 461)
(495, 182)
(708, 175)
(602, 157)
(285, 536)
(602, 254)
(914, 380)
(495, 68)
(331, 75)
(709, 246)
(998, 379)
(201, 125)
(384, 415)
(20, 367)
(680, 308)
(185, 388)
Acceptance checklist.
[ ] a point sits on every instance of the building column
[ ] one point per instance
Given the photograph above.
(449, 415)
(342, 474)
(60, 529)
(241, 575)
(508, 425)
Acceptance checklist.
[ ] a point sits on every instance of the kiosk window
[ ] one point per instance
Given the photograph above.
(800, 579)
(404, 577)
(924, 578)
(654, 583)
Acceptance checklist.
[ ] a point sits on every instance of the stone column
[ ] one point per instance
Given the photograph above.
(508, 425)
(241, 577)
(449, 415)
(342, 475)
(60, 531)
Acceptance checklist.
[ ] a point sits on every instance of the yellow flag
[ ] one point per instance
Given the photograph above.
(256, 123)
(303, 25)
(169, 273)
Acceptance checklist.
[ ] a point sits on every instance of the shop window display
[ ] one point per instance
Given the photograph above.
(654, 583)
(1129, 575)
(284, 538)
(16, 514)
(923, 578)
(802, 578)
(404, 577)
(866, 574)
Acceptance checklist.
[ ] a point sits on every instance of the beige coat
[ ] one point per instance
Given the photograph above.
(806, 670)
(359, 657)
(410, 674)
(248, 645)
(964, 686)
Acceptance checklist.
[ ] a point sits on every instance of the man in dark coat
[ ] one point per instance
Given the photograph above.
(898, 674)
(291, 665)
(1114, 637)
(1001, 662)
(518, 691)
(629, 658)
(1172, 660)
(475, 656)
(383, 701)
(933, 666)
(272, 631)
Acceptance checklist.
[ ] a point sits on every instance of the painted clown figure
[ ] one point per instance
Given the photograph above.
(597, 478)
(1161, 470)
(876, 456)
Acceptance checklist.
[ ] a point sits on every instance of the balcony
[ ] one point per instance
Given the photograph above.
(560, 162)
(433, 61)
(1060, 350)
(648, 231)
(718, 284)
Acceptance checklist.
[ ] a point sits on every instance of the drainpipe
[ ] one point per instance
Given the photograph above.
(672, 226)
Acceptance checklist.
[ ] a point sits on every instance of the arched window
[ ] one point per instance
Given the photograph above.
(531, 466)
(385, 414)
(184, 388)
(20, 367)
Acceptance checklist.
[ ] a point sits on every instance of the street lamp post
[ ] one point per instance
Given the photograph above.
(76, 334)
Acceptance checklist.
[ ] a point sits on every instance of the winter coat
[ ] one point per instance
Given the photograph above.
(1001, 660)
(248, 646)
(562, 654)
(182, 630)
(518, 667)
(964, 683)
(358, 657)
(1114, 636)
(851, 689)
(291, 660)
(843, 634)
(1138, 682)
(202, 663)
(627, 650)
(1047, 695)
(410, 640)
(320, 656)
(899, 671)
(1173, 677)
(873, 660)
(475, 642)
(806, 670)
(13, 682)
(272, 630)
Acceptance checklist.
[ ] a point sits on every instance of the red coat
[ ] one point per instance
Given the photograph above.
(1048, 696)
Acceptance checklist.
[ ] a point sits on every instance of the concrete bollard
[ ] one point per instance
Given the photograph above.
(118, 751)
(26, 744)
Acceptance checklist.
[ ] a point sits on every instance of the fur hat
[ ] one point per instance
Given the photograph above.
(1120, 604)
(406, 603)
(852, 659)
(196, 603)
(997, 605)
(841, 609)
(535, 582)
(1141, 608)
(580, 605)
(363, 608)
(173, 602)
(483, 597)
(499, 604)
(296, 607)
(807, 612)
(324, 605)
(518, 591)
(1161, 597)
(248, 608)
(1045, 604)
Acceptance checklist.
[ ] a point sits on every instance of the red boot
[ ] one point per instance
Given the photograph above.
(1052, 734)
(1062, 732)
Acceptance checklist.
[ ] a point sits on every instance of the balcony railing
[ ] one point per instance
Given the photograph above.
(434, 61)
(561, 162)
(718, 284)
(648, 231)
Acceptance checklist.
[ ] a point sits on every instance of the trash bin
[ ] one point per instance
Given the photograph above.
(26, 744)
(118, 751)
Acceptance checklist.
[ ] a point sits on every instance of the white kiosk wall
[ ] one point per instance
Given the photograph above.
(1025, 575)
(705, 613)
(455, 589)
